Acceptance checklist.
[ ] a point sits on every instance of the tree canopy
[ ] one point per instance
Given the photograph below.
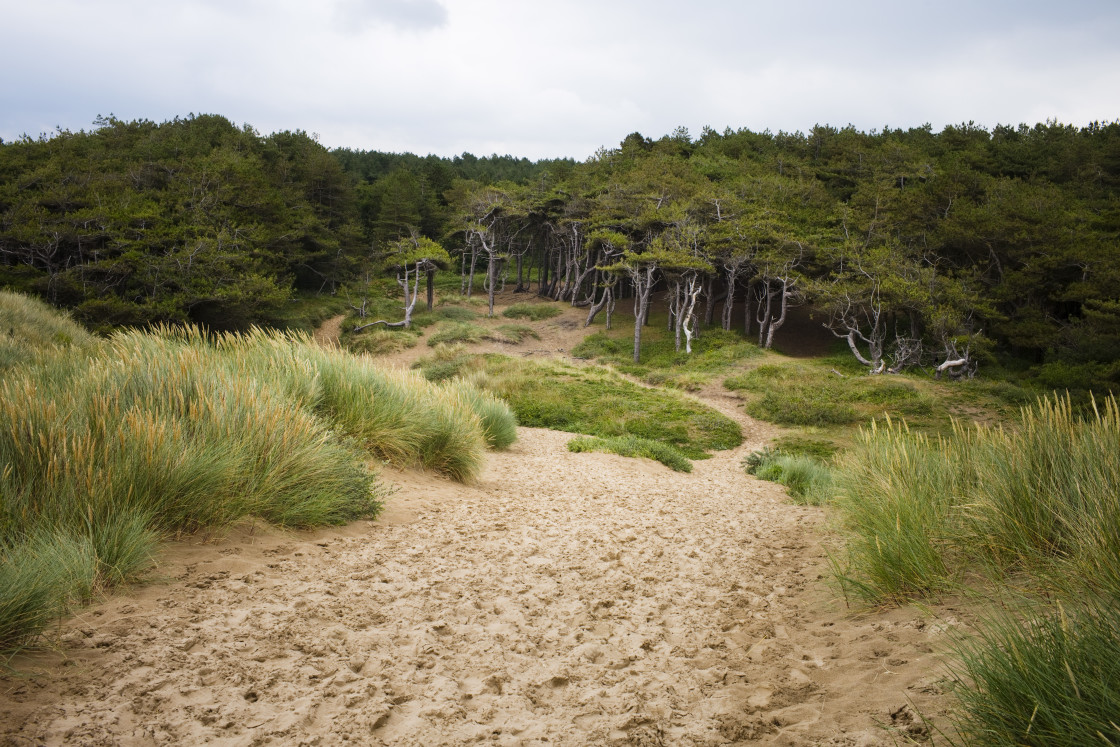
(916, 246)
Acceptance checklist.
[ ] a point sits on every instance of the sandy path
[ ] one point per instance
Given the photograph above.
(564, 599)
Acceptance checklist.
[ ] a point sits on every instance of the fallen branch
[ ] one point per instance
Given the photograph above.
(379, 321)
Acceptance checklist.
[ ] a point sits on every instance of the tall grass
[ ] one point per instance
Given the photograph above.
(158, 433)
(31, 331)
(896, 493)
(1033, 511)
(1052, 680)
(1039, 500)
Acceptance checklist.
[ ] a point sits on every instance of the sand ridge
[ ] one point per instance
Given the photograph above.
(562, 599)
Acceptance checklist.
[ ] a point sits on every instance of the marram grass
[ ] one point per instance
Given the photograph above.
(1028, 513)
(1039, 500)
(1052, 680)
(107, 448)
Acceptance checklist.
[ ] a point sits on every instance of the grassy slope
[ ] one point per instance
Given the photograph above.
(106, 445)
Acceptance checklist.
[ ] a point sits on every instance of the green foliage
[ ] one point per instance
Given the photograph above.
(195, 220)
(808, 479)
(591, 401)
(1054, 680)
(153, 434)
(192, 220)
(457, 332)
(632, 446)
(790, 393)
(532, 311)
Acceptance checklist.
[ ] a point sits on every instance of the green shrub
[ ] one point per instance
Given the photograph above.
(533, 311)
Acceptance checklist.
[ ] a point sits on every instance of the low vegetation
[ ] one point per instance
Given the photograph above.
(812, 394)
(532, 311)
(808, 479)
(589, 400)
(714, 352)
(1025, 513)
(149, 434)
(632, 446)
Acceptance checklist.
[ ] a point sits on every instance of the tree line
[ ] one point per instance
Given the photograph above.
(913, 247)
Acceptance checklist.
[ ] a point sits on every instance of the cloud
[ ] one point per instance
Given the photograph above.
(355, 16)
(555, 79)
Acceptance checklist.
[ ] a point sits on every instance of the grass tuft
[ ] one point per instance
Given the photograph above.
(632, 446)
(532, 311)
(457, 332)
(808, 480)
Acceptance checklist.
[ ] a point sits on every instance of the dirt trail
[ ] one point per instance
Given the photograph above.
(563, 599)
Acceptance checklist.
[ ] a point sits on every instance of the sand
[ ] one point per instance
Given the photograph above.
(562, 599)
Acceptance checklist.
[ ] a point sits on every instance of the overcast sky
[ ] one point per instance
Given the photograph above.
(559, 78)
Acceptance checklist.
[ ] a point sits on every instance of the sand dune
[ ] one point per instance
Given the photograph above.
(563, 599)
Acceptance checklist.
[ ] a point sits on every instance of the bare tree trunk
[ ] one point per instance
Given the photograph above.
(776, 324)
(490, 282)
(474, 261)
(606, 300)
(709, 300)
(728, 304)
(765, 313)
(643, 285)
(688, 318)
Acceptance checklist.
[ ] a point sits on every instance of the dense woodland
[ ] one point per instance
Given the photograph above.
(944, 250)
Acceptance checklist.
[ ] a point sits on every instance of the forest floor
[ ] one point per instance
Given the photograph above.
(562, 599)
